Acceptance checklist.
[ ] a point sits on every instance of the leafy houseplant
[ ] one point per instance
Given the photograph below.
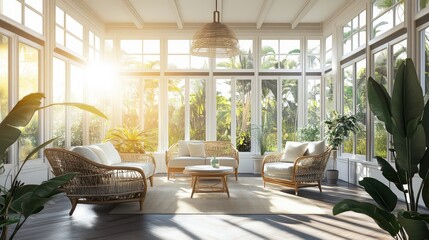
(20, 200)
(406, 118)
(130, 139)
(258, 135)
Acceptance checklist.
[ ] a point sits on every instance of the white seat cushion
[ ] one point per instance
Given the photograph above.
(224, 161)
(315, 148)
(180, 162)
(100, 154)
(86, 153)
(148, 168)
(293, 150)
(111, 153)
(196, 149)
(279, 169)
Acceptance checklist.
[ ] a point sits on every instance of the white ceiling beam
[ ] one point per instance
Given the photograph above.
(137, 19)
(308, 5)
(266, 6)
(177, 13)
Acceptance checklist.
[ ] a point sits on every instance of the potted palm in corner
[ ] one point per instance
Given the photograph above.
(339, 128)
(259, 138)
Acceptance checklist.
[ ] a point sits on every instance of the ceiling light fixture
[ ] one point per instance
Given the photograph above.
(215, 40)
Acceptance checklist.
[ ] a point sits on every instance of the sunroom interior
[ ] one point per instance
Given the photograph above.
(299, 61)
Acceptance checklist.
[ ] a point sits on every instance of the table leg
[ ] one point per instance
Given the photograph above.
(225, 185)
(194, 184)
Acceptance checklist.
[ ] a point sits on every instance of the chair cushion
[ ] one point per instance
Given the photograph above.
(196, 149)
(224, 161)
(315, 148)
(100, 153)
(183, 148)
(111, 153)
(86, 153)
(148, 168)
(279, 169)
(180, 162)
(293, 150)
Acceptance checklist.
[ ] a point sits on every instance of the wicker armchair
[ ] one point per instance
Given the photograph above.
(306, 171)
(97, 183)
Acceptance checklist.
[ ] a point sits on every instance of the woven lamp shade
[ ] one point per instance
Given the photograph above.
(215, 40)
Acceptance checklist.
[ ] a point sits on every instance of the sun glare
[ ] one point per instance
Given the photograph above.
(101, 79)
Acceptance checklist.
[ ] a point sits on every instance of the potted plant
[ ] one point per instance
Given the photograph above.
(339, 128)
(406, 118)
(20, 200)
(131, 139)
(260, 141)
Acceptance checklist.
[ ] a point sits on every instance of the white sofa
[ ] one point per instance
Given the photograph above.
(106, 154)
(190, 153)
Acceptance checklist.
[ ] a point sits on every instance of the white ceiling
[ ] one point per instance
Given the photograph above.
(183, 12)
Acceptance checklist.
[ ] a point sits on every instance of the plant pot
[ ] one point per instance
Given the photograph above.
(332, 176)
(257, 164)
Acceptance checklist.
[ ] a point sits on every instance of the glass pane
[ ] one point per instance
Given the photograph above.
(269, 49)
(223, 109)
(290, 61)
(399, 55)
(131, 46)
(151, 46)
(36, 4)
(269, 114)
(313, 54)
(33, 21)
(151, 62)
(380, 133)
(74, 27)
(422, 4)
(131, 100)
(329, 96)
(74, 44)
(289, 110)
(176, 110)
(12, 9)
(132, 61)
(379, 6)
(76, 95)
(328, 43)
(269, 61)
(361, 108)
(347, 46)
(243, 61)
(399, 13)
(59, 16)
(59, 35)
(178, 46)
(348, 86)
(178, 62)
(199, 63)
(328, 59)
(243, 114)
(362, 19)
(197, 103)
(313, 103)
(28, 83)
(150, 112)
(382, 24)
(58, 95)
(4, 76)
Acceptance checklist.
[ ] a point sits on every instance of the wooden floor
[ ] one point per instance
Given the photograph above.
(95, 222)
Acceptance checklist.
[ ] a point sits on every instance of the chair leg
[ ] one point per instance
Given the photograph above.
(296, 191)
(320, 186)
(236, 174)
(141, 204)
(151, 180)
(73, 203)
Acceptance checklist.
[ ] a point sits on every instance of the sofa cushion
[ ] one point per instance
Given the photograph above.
(293, 150)
(196, 149)
(86, 153)
(148, 168)
(279, 169)
(100, 154)
(224, 161)
(315, 148)
(183, 148)
(180, 162)
(111, 153)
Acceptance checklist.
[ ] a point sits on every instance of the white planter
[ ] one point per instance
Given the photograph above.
(332, 176)
(257, 164)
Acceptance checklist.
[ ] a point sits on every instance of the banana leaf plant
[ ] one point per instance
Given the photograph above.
(20, 200)
(406, 118)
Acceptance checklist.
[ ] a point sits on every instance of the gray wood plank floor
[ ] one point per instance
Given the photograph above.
(95, 222)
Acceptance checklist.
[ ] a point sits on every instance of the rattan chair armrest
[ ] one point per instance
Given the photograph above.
(138, 158)
(272, 157)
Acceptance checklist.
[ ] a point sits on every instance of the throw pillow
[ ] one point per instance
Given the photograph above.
(100, 153)
(86, 153)
(196, 149)
(315, 148)
(293, 150)
(183, 148)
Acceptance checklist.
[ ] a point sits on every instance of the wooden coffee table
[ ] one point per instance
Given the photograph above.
(204, 171)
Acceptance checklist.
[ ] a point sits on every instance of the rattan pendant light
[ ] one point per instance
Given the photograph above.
(215, 40)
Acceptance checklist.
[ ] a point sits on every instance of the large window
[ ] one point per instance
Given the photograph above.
(245, 60)
(26, 12)
(386, 15)
(424, 51)
(29, 75)
(94, 54)
(77, 76)
(4, 76)
(280, 54)
(59, 95)
(354, 103)
(314, 102)
(140, 54)
(68, 32)
(354, 33)
(179, 57)
(269, 113)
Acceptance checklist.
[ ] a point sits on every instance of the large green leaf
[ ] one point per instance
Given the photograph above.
(385, 220)
(416, 229)
(424, 166)
(379, 102)
(416, 150)
(425, 193)
(50, 187)
(10, 220)
(425, 122)
(407, 103)
(381, 194)
(390, 173)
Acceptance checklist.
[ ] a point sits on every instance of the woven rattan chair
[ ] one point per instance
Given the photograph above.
(97, 183)
(306, 171)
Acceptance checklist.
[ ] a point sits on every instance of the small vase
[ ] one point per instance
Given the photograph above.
(214, 162)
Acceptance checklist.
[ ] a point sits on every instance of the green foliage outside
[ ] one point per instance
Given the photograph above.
(309, 133)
